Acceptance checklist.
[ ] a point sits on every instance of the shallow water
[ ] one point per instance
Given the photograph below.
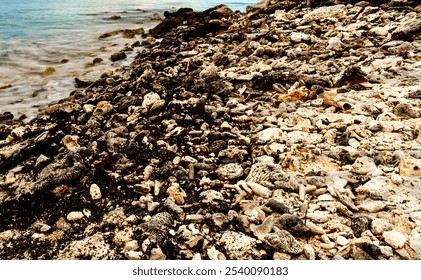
(35, 35)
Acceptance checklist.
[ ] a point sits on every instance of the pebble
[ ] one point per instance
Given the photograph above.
(95, 192)
(74, 216)
(318, 216)
(342, 241)
(230, 171)
(309, 252)
(177, 193)
(415, 244)
(394, 238)
(214, 254)
(379, 226)
(132, 245)
(240, 246)
(372, 206)
(283, 241)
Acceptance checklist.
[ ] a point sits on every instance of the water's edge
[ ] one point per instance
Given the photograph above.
(35, 71)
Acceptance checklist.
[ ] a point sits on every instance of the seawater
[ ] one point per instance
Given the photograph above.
(63, 34)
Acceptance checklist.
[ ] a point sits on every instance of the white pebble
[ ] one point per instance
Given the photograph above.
(309, 252)
(394, 238)
(131, 245)
(318, 216)
(342, 241)
(95, 192)
(372, 206)
(132, 255)
(74, 216)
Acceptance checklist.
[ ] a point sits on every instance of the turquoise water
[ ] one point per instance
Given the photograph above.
(37, 34)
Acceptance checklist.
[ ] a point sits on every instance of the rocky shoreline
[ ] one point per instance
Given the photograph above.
(291, 131)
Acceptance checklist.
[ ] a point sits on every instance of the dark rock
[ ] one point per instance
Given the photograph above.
(97, 60)
(4, 131)
(157, 228)
(118, 56)
(360, 224)
(82, 84)
(114, 17)
(294, 225)
(6, 116)
(278, 206)
(374, 251)
(220, 11)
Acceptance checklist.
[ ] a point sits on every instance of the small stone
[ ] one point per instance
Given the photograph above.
(360, 224)
(103, 108)
(378, 226)
(372, 206)
(219, 219)
(114, 17)
(293, 224)
(318, 216)
(87, 213)
(373, 250)
(410, 167)
(133, 255)
(210, 73)
(309, 252)
(41, 160)
(118, 56)
(74, 216)
(177, 193)
(283, 241)
(272, 134)
(280, 256)
(95, 192)
(132, 245)
(152, 102)
(325, 197)
(157, 254)
(403, 253)
(396, 179)
(364, 165)
(386, 251)
(193, 242)
(230, 171)
(209, 196)
(93, 247)
(313, 228)
(297, 37)
(197, 257)
(240, 246)
(88, 108)
(214, 254)
(7, 235)
(195, 218)
(71, 142)
(342, 241)
(379, 31)
(415, 244)
(394, 238)
(277, 206)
